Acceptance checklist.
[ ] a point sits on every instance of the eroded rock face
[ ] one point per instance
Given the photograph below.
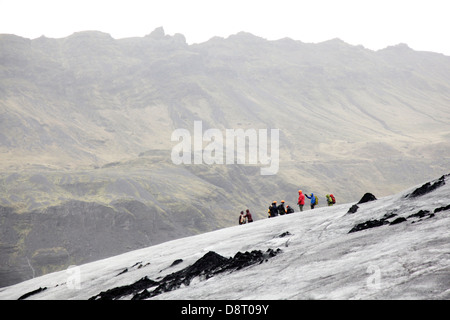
(41, 241)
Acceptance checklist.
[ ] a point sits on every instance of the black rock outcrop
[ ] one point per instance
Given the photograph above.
(367, 197)
(26, 295)
(368, 224)
(427, 188)
(206, 267)
(353, 209)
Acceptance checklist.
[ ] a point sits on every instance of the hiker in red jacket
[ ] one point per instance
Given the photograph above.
(248, 215)
(301, 200)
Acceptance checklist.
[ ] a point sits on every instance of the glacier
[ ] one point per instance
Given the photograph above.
(303, 255)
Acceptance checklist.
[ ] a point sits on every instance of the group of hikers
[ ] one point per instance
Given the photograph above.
(314, 199)
(275, 210)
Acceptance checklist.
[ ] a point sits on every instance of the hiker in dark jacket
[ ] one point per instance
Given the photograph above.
(273, 210)
(289, 210)
(248, 215)
(281, 208)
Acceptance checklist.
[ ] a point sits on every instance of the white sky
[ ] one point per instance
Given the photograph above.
(375, 24)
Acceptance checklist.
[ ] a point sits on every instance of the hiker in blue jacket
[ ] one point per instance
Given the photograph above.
(273, 210)
(313, 200)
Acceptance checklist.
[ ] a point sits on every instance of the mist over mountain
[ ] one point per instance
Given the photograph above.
(86, 124)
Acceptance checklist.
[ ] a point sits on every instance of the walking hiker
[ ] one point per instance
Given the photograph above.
(301, 200)
(330, 199)
(313, 200)
(248, 216)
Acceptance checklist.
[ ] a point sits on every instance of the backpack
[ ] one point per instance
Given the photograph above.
(333, 199)
(316, 200)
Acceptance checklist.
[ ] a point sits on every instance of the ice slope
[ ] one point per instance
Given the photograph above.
(319, 258)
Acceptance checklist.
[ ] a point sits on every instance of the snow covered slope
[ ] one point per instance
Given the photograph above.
(399, 248)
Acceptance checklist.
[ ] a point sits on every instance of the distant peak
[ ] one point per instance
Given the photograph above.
(242, 35)
(158, 33)
(334, 41)
(91, 34)
(400, 46)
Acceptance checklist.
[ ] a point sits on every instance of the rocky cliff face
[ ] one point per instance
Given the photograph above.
(42, 241)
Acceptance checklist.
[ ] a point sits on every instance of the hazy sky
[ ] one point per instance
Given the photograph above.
(375, 24)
